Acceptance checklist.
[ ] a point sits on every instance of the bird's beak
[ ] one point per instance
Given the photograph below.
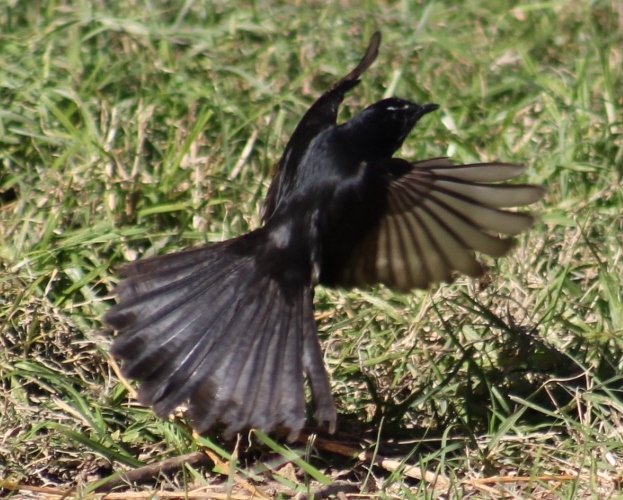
(427, 108)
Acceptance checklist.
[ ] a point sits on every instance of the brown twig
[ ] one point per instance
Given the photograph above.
(439, 481)
(150, 472)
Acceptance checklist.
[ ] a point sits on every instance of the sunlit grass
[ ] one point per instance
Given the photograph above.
(130, 129)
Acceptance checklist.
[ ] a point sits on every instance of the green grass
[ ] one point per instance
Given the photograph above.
(129, 129)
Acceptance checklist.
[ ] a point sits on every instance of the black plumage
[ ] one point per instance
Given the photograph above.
(230, 327)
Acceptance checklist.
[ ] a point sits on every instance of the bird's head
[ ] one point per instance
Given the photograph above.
(380, 129)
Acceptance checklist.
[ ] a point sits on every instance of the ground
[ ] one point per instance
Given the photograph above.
(130, 129)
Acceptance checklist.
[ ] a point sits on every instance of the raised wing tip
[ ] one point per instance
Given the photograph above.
(372, 51)
(374, 43)
(368, 58)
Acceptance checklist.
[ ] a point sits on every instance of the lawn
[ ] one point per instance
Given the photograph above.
(130, 129)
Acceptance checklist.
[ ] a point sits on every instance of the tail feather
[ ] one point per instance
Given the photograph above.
(212, 327)
(265, 367)
(313, 365)
(153, 281)
(238, 389)
(231, 364)
(218, 335)
(171, 323)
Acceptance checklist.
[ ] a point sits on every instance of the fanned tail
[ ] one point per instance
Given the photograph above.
(215, 327)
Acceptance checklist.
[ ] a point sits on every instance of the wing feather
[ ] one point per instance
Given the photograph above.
(437, 215)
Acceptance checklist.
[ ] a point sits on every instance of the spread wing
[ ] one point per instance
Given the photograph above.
(437, 215)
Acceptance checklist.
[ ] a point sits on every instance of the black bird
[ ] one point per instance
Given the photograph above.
(230, 328)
